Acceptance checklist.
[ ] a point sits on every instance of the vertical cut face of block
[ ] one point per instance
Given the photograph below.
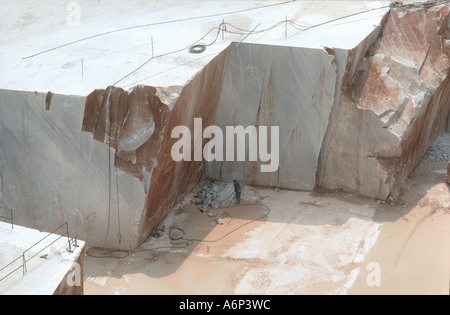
(52, 172)
(138, 126)
(448, 124)
(290, 88)
(448, 173)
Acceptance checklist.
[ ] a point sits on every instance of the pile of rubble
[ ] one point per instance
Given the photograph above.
(440, 153)
(440, 150)
(210, 197)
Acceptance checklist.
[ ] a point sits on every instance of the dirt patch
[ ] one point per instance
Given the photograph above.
(309, 243)
(413, 250)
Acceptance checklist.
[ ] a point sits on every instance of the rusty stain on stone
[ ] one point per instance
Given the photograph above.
(48, 100)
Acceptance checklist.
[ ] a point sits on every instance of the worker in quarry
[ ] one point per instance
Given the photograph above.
(237, 189)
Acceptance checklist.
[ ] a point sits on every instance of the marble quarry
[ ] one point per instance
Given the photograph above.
(356, 120)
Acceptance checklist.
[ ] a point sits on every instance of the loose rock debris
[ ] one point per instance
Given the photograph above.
(438, 153)
(209, 198)
(159, 231)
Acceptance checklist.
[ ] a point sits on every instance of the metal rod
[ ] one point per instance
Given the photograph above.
(249, 34)
(10, 264)
(11, 217)
(61, 236)
(153, 54)
(24, 263)
(21, 266)
(223, 29)
(68, 237)
(285, 30)
(53, 232)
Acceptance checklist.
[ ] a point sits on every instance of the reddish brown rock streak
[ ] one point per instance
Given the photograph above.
(394, 107)
(448, 173)
(171, 180)
(125, 120)
(114, 116)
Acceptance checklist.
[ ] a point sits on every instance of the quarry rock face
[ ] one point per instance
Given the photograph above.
(138, 126)
(356, 120)
(131, 123)
(448, 124)
(394, 107)
(52, 172)
(289, 87)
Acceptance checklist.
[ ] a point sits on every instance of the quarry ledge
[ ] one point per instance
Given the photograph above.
(50, 268)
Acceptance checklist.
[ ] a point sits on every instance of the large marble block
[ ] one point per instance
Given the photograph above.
(394, 107)
(138, 126)
(288, 87)
(52, 172)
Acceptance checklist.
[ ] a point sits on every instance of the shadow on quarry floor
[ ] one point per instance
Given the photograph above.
(314, 231)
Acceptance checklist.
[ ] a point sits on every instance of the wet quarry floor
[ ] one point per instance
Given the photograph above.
(297, 243)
